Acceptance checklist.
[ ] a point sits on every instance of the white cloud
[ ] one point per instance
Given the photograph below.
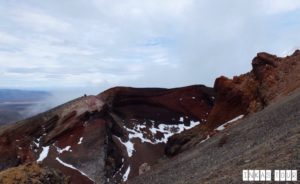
(6, 38)
(100, 44)
(39, 21)
(280, 6)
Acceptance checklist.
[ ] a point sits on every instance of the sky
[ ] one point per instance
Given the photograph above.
(89, 46)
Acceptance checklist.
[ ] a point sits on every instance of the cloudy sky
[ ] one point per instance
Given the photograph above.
(96, 44)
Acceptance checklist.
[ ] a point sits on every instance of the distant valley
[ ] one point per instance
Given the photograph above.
(14, 104)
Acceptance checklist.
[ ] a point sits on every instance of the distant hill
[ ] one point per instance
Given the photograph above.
(13, 103)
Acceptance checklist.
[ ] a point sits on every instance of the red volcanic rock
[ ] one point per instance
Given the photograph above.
(145, 112)
(231, 101)
(270, 78)
(107, 137)
(124, 131)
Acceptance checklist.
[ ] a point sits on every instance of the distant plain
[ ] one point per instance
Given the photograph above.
(15, 105)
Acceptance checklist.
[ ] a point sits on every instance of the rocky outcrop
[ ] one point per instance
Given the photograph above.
(271, 78)
(32, 174)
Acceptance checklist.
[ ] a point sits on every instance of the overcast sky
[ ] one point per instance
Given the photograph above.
(96, 44)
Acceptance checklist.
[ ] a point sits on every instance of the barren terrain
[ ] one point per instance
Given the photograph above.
(269, 139)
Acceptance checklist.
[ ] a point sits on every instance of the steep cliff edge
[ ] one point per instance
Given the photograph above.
(271, 78)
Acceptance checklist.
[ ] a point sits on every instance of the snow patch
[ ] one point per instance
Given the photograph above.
(38, 142)
(205, 139)
(126, 174)
(166, 130)
(129, 146)
(222, 127)
(192, 124)
(119, 168)
(60, 151)
(43, 154)
(65, 164)
(80, 140)
(72, 167)
(159, 133)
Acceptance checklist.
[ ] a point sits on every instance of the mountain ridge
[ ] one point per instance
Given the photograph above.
(123, 132)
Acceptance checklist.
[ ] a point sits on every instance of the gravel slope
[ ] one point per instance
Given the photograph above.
(269, 139)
